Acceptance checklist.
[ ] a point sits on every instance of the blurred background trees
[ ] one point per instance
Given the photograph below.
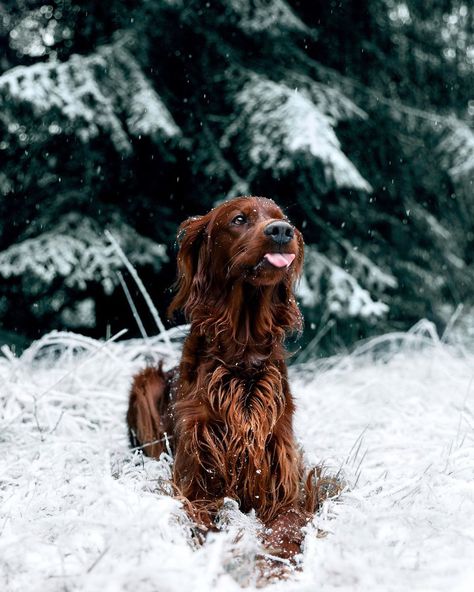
(356, 116)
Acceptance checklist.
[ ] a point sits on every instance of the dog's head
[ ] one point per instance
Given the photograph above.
(246, 240)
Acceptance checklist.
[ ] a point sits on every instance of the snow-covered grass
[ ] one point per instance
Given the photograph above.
(80, 511)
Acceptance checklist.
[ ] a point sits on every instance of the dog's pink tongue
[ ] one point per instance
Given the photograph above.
(280, 259)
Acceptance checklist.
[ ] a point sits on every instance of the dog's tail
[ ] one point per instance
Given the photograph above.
(148, 416)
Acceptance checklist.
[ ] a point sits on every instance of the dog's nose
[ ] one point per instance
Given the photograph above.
(280, 231)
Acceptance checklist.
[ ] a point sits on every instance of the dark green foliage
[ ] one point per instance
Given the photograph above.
(356, 116)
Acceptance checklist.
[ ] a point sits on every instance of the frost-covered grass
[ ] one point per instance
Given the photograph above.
(79, 511)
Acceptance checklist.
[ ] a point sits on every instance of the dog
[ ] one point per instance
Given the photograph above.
(227, 410)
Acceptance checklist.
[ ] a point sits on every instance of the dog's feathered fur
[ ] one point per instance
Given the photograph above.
(228, 410)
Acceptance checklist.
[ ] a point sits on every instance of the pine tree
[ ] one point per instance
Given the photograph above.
(356, 116)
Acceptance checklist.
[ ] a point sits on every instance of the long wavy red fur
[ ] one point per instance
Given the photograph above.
(227, 411)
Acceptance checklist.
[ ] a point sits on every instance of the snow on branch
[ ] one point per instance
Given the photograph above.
(431, 224)
(456, 151)
(257, 16)
(285, 129)
(331, 101)
(326, 284)
(77, 250)
(367, 272)
(106, 92)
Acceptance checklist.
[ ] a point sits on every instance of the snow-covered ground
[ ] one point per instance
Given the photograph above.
(79, 511)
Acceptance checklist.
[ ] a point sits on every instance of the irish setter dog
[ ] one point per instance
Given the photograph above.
(227, 410)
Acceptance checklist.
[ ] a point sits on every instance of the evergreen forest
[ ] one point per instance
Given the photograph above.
(120, 119)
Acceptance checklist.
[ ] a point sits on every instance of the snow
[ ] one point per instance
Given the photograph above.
(80, 511)
(339, 292)
(285, 129)
(77, 250)
(456, 151)
(328, 99)
(91, 94)
(36, 32)
(272, 16)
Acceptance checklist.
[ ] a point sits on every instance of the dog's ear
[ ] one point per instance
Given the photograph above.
(191, 269)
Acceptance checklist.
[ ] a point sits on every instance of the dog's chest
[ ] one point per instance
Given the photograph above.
(246, 397)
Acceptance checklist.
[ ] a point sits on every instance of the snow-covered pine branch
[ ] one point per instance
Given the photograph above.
(456, 152)
(368, 273)
(251, 17)
(269, 16)
(454, 137)
(327, 285)
(444, 238)
(77, 250)
(105, 92)
(280, 129)
(329, 99)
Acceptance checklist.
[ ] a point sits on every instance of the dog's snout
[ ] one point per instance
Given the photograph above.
(280, 231)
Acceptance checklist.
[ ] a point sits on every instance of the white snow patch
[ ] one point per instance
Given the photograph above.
(285, 129)
(80, 511)
(343, 295)
(89, 95)
(273, 16)
(77, 250)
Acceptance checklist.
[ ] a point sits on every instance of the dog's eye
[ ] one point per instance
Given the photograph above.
(239, 220)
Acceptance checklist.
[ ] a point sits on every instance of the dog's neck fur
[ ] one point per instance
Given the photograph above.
(233, 374)
(244, 325)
